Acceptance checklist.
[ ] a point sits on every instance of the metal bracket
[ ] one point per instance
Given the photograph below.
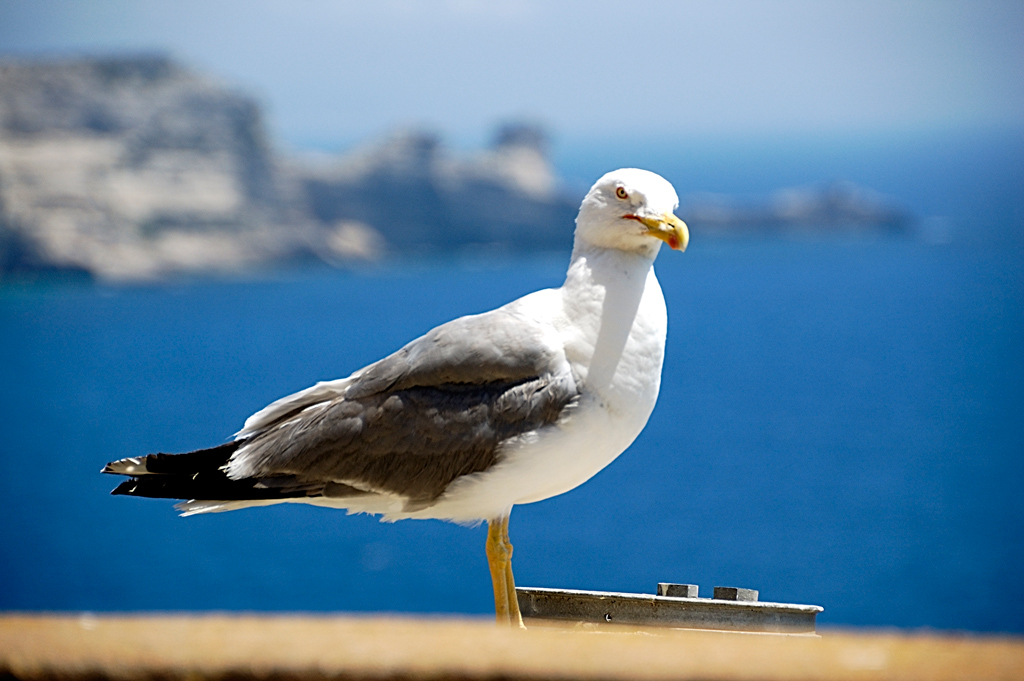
(732, 609)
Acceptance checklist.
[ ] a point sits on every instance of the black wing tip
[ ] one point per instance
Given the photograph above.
(133, 465)
(125, 488)
(162, 463)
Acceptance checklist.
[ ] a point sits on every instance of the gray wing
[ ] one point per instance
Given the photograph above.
(410, 424)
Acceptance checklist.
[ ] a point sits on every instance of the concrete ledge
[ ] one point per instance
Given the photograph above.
(235, 648)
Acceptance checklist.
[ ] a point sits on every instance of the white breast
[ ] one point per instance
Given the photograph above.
(611, 321)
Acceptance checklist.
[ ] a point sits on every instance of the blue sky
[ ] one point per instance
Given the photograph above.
(333, 72)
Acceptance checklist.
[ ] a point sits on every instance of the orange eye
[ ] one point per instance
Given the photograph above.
(621, 193)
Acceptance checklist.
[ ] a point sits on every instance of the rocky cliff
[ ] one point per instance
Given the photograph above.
(426, 199)
(135, 168)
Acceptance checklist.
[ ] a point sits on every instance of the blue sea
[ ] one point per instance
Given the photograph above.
(841, 420)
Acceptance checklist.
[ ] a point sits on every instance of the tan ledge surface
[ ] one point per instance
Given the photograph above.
(281, 648)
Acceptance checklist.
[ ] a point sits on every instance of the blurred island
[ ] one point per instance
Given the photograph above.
(835, 208)
(136, 168)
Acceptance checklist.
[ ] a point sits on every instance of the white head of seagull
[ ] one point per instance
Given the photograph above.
(625, 208)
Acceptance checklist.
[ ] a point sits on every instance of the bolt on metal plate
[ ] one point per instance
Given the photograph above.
(732, 593)
(678, 590)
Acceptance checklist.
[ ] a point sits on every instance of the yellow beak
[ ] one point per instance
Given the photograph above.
(669, 229)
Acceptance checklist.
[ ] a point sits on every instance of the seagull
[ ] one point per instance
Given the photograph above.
(487, 411)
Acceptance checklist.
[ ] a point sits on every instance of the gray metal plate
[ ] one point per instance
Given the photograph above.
(649, 610)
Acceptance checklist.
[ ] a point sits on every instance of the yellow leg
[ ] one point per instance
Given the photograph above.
(499, 559)
(515, 617)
